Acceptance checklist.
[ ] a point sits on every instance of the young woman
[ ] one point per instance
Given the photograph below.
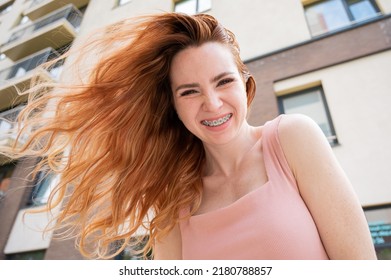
(157, 138)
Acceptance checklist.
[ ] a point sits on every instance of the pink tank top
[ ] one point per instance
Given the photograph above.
(271, 222)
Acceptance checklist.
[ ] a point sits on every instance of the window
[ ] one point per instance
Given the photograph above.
(6, 8)
(132, 252)
(192, 7)
(123, 2)
(312, 103)
(7, 124)
(31, 255)
(379, 220)
(6, 172)
(43, 186)
(330, 15)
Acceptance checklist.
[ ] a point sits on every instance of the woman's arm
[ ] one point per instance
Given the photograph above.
(325, 189)
(170, 247)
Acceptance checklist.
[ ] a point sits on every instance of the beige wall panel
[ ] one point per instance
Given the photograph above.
(100, 13)
(27, 233)
(358, 95)
(384, 5)
(263, 26)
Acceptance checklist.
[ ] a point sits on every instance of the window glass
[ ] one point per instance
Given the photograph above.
(187, 7)
(42, 189)
(32, 255)
(310, 103)
(4, 126)
(6, 172)
(192, 7)
(361, 9)
(379, 220)
(326, 16)
(330, 15)
(204, 5)
(132, 252)
(7, 121)
(123, 2)
(6, 8)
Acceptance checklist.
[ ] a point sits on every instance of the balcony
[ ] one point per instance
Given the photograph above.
(39, 8)
(7, 119)
(18, 77)
(5, 6)
(55, 30)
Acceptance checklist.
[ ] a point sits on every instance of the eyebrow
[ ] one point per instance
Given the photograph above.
(218, 77)
(213, 80)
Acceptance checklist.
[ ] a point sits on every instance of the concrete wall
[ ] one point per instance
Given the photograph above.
(384, 6)
(100, 13)
(266, 26)
(263, 26)
(15, 199)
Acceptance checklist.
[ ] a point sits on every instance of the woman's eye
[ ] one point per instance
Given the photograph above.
(225, 81)
(188, 92)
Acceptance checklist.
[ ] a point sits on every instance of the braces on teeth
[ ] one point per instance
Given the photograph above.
(217, 122)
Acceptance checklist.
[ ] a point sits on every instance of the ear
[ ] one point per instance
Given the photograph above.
(250, 89)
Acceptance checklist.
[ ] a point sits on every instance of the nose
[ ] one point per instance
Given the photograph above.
(212, 102)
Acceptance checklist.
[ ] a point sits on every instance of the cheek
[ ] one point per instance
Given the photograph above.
(183, 111)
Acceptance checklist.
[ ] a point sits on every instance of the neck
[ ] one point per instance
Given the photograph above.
(226, 159)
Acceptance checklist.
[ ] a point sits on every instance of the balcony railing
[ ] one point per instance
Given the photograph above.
(70, 13)
(36, 2)
(7, 122)
(39, 8)
(23, 66)
(5, 6)
(18, 77)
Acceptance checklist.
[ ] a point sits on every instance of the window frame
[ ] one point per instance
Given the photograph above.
(333, 139)
(348, 13)
(119, 4)
(197, 10)
(383, 251)
(41, 184)
(6, 173)
(6, 8)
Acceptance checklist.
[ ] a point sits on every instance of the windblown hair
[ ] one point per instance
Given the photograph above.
(125, 160)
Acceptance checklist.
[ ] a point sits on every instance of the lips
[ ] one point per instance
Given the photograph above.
(217, 122)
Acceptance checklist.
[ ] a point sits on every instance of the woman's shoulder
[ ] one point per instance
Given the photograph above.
(294, 128)
(293, 123)
(300, 138)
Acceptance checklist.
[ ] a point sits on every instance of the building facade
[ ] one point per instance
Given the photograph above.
(327, 59)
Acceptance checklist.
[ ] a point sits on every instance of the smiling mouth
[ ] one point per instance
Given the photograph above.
(218, 121)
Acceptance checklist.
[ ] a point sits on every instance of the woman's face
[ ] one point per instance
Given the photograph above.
(209, 93)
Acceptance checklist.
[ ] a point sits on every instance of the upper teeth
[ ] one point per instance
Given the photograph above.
(218, 121)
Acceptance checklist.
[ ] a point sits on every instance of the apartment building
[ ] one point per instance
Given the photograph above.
(327, 59)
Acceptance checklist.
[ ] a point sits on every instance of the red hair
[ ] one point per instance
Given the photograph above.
(125, 159)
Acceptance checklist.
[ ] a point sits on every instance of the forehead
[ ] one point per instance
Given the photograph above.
(207, 59)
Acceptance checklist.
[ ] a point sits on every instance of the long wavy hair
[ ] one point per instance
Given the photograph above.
(125, 160)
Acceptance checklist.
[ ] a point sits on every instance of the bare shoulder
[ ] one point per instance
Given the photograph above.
(298, 127)
(325, 189)
(301, 139)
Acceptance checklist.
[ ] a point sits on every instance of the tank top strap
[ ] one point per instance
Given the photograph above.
(277, 166)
